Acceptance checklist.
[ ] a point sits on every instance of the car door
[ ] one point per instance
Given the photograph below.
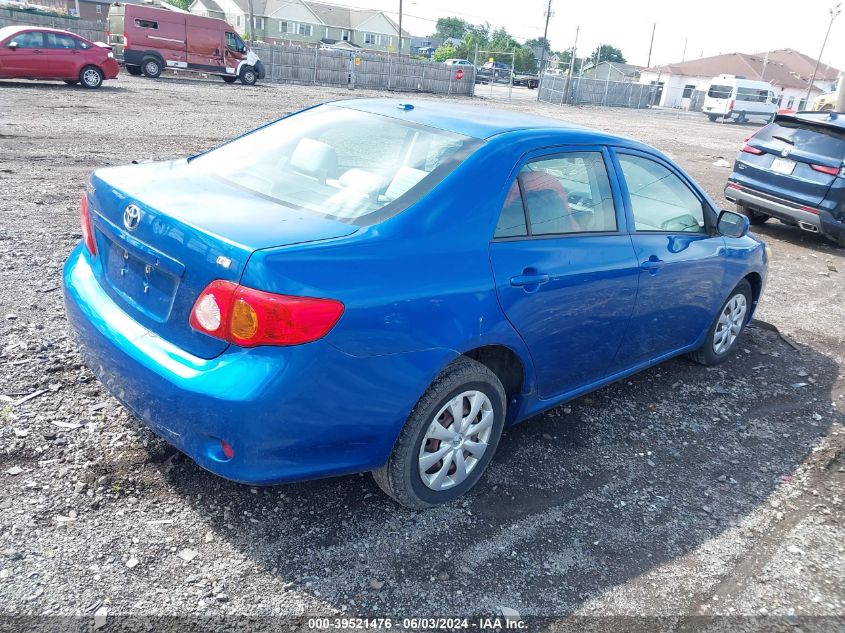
(565, 270)
(234, 52)
(679, 255)
(61, 56)
(24, 54)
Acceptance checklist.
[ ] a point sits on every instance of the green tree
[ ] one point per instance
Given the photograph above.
(540, 42)
(182, 4)
(451, 27)
(446, 51)
(524, 60)
(607, 53)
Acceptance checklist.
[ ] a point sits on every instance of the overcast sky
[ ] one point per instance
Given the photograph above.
(709, 28)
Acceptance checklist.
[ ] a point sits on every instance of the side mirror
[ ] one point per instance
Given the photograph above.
(732, 224)
(12, 45)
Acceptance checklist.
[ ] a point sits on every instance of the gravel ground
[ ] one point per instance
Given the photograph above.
(681, 491)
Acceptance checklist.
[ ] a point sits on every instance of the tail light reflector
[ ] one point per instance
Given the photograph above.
(248, 317)
(87, 227)
(833, 171)
(750, 149)
(733, 103)
(125, 41)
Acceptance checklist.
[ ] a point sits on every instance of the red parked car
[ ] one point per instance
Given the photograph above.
(28, 52)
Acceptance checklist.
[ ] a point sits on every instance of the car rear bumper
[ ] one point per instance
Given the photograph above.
(809, 218)
(289, 413)
(110, 68)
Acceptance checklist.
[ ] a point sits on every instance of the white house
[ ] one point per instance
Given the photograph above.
(787, 70)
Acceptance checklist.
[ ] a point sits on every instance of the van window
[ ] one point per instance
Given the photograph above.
(146, 24)
(752, 94)
(720, 92)
(234, 43)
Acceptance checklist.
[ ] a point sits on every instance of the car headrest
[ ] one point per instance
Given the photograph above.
(405, 179)
(313, 158)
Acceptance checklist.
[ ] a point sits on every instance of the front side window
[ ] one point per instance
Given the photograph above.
(339, 162)
(660, 200)
(29, 39)
(234, 43)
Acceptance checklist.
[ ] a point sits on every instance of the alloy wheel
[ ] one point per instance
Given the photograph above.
(91, 77)
(730, 323)
(456, 440)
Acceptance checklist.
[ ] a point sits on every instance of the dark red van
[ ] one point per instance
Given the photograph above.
(29, 52)
(150, 40)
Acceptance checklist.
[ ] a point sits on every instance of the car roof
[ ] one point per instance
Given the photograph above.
(6, 31)
(471, 120)
(831, 119)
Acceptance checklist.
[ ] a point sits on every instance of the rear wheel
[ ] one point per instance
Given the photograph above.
(91, 77)
(449, 438)
(248, 76)
(712, 118)
(151, 67)
(741, 118)
(754, 217)
(726, 329)
(228, 79)
(135, 71)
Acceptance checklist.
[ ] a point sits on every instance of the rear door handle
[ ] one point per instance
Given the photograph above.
(529, 280)
(652, 264)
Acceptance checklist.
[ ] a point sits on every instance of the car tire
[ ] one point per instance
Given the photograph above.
(741, 118)
(135, 71)
(151, 67)
(248, 76)
(754, 217)
(228, 79)
(727, 327)
(402, 476)
(71, 82)
(712, 118)
(91, 77)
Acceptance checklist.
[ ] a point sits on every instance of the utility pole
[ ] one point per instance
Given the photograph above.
(400, 28)
(251, 24)
(651, 45)
(834, 12)
(684, 54)
(572, 62)
(545, 36)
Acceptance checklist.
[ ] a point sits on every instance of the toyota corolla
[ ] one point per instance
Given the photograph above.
(369, 285)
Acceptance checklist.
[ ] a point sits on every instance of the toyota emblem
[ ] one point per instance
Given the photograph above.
(785, 151)
(131, 217)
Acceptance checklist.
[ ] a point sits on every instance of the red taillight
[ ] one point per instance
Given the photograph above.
(750, 149)
(87, 227)
(733, 103)
(833, 171)
(125, 41)
(248, 317)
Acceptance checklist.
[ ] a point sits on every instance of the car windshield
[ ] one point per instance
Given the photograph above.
(339, 162)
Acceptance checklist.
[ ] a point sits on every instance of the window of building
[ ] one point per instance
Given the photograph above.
(344, 35)
(369, 38)
(660, 200)
(790, 102)
(237, 20)
(99, 9)
(258, 24)
(688, 90)
(146, 24)
(305, 29)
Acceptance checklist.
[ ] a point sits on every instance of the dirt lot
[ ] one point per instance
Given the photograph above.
(682, 491)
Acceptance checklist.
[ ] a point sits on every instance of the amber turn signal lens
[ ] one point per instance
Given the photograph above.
(244, 320)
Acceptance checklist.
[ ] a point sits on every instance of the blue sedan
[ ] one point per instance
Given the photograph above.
(369, 285)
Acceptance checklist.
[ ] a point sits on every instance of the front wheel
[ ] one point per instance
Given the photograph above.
(712, 118)
(91, 77)
(248, 76)
(449, 438)
(729, 324)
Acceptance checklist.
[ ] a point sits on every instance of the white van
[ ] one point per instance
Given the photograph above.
(738, 98)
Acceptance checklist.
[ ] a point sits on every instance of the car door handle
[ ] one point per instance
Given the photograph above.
(529, 280)
(652, 264)
(36, 52)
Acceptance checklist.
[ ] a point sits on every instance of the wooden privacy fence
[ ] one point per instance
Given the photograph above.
(558, 89)
(94, 31)
(361, 69)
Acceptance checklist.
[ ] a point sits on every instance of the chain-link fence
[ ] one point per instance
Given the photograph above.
(560, 89)
(361, 69)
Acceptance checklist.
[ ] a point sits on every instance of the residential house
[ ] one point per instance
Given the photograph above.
(425, 46)
(92, 10)
(787, 70)
(309, 23)
(612, 71)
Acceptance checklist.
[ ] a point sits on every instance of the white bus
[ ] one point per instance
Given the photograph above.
(738, 98)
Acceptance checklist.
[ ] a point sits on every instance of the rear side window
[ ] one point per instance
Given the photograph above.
(61, 41)
(752, 94)
(559, 195)
(29, 39)
(821, 140)
(720, 92)
(660, 200)
(146, 24)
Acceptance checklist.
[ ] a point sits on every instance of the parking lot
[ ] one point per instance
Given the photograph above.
(680, 491)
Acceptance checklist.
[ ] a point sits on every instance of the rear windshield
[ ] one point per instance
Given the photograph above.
(338, 162)
(720, 92)
(821, 140)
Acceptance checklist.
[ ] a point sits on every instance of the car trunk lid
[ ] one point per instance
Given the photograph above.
(162, 238)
